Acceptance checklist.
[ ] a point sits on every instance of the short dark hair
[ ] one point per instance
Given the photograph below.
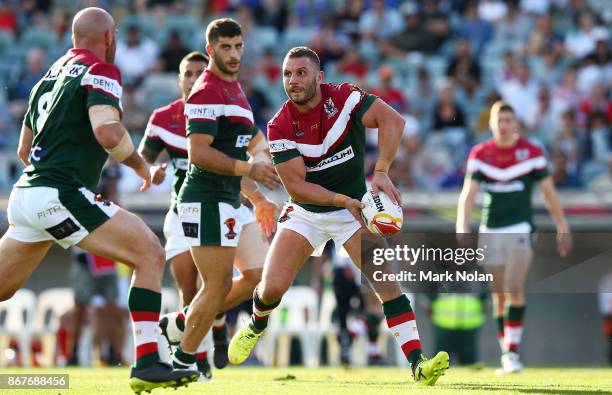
(195, 56)
(304, 52)
(224, 27)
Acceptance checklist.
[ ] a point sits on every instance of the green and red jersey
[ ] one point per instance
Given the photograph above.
(507, 175)
(218, 108)
(330, 138)
(166, 130)
(65, 152)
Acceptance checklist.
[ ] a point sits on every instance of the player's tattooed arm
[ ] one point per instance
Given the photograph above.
(390, 125)
(25, 144)
(203, 155)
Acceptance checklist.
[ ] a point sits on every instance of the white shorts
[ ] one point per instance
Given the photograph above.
(65, 216)
(319, 228)
(509, 246)
(176, 243)
(213, 224)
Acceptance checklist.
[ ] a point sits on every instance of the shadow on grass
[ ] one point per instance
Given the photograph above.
(525, 389)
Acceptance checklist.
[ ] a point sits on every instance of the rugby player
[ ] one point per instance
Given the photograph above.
(70, 128)
(507, 166)
(166, 131)
(220, 131)
(317, 141)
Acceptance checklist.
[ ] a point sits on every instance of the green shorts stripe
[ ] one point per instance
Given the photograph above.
(210, 220)
(86, 212)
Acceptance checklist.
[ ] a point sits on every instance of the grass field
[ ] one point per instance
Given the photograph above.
(303, 381)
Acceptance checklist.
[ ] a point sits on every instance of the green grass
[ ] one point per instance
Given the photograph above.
(356, 381)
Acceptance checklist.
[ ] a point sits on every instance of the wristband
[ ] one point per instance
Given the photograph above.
(382, 165)
(123, 150)
(242, 168)
(339, 200)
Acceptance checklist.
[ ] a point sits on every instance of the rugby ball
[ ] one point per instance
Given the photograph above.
(380, 214)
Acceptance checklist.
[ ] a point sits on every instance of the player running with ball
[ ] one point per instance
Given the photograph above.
(507, 166)
(317, 141)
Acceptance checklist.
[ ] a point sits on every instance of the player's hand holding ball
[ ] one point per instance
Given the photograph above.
(381, 215)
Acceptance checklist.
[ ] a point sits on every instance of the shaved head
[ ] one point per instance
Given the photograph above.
(94, 28)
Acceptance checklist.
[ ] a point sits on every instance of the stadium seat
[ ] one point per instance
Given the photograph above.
(38, 38)
(52, 304)
(297, 315)
(16, 316)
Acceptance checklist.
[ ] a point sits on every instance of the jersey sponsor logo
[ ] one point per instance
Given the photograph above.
(243, 140)
(280, 145)
(200, 111)
(230, 223)
(334, 160)
(285, 215)
(505, 187)
(64, 229)
(69, 70)
(105, 84)
(212, 111)
(330, 108)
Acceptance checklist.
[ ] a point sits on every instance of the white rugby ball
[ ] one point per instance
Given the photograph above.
(381, 215)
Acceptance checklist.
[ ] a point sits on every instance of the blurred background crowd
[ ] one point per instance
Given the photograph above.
(441, 63)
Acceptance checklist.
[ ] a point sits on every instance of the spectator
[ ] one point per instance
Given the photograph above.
(387, 92)
(566, 142)
(513, 27)
(596, 102)
(507, 71)
(8, 18)
(449, 121)
(19, 91)
(348, 19)
(352, 63)
(380, 21)
(136, 55)
(477, 30)
(463, 68)
(413, 38)
(521, 92)
(542, 36)
(134, 109)
(597, 148)
(542, 120)
(260, 105)
(327, 44)
(269, 66)
(581, 41)
(173, 52)
(566, 95)
(561, 176)
(422, 100)
(7, 127)
(273, 13)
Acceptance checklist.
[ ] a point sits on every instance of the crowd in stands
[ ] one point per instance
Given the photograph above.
(441, 63)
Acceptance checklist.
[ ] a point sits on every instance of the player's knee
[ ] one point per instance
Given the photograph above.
(153, 256)
(252, 278)
(272, 292)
